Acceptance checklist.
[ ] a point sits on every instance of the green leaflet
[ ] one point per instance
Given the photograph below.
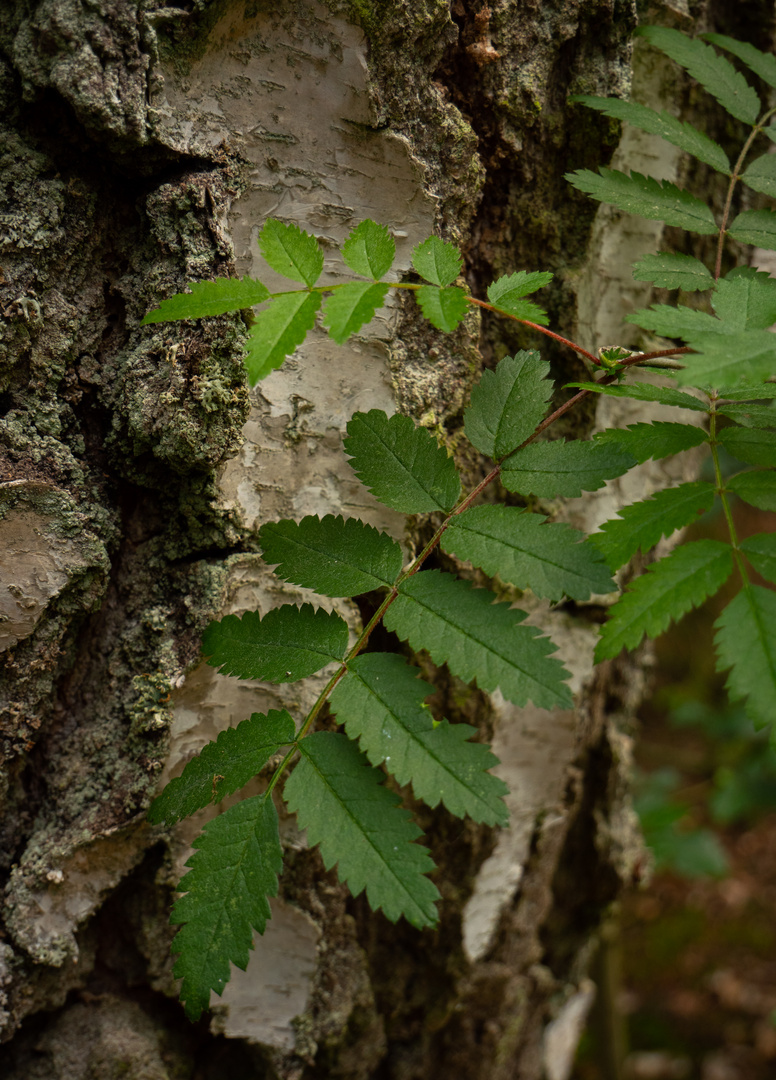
(507, 295)
(402, 465)
(762, 64)
(437, 261)
(754, 392)
(750, 415)
(444, 308)
(289, 643)
(746, 643)
(745, 299)
(673, 271)
(674, 131)
(640, 525)
(209, 298)
(761, 175)
(760, 550)
(369, 250)
(350, 307)
(657, 440)
(477, 639)
(552, 560)
(338, 797)
(291, 251)
(643, 195)
(278, 330)
(666, 395)
(751, 445)
(335, 557)
(550, 469)
(675, 322)
(713, 72)
(726, 360)
(507, 404)
(670, 587)
(756, 488)
(223, 766)
(757, 227)
(232, 873)
(380, 702)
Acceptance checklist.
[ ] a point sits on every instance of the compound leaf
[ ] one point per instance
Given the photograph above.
(278, 330)
(641, 391)
(669, 588)
(223, 766)
(288, 644)
(673, 271)
(507, 404)
(746, 299)
(752, 445)
(338, 797)
(675, 322)
(640, 525)
(757, 227)
(552, 560)
(444, 308)
(761, 175)
(291, 251)
(369, 250)
(643, 195)
(762, 64)
(437, 261)
(656, 440)
(334, 556)
(726, 360)
(209, 298)
(477, 639)
(746, 643)
(402, 465)
(507, 294)
(756, 488)
(674, 131)
(380, 702)
(350, 307)
(760, 550)
(713, 72)
(552, 469)
(232, 873)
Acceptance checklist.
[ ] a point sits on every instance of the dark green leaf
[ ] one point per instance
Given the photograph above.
(760, 550)
(278, 330)
(753, 392)
(291, 251)
(552, 469)
(745, 299)
(757, 227)
(761, 174)
(507, 294)
(657, 440)
(726, 360)
(674, 131)
(338, 797)
(437, 261)
(643, 195)
(712, 71)
(209, 298)
(666, 395)
(675, 322)
(673, 271)
(289, 643)
(380, 702)
(462, 627)
(223, 766)
(754, 446)
(749, 415)
(670, 587)
(756, 488)
(232, 873)
(402, 465)
(552, 560)
(762, 64)
(369, 250)
(507, 404)
(746, 643)
(640, 525)
(444, 308)
(349, 308)
(335, 557)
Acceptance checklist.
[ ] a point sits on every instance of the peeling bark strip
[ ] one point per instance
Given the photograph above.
(142, 146)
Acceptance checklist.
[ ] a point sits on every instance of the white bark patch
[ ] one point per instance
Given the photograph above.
(562, 1035)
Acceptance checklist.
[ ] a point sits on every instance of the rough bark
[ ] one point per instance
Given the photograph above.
(142, 147)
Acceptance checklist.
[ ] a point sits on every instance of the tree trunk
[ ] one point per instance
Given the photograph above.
(143, 147)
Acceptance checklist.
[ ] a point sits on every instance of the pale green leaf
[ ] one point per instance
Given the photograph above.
(640, 525)
(673, 271)
(552, 560)
(665, 395)
(762, 64)
(369, 250)
(643, 195)
(552, 469)
(757, 227)
(223, 766)
(657, 440)
(726, 360)
(670, 587)
(761, 174)
(507, 404)
(291, 251)
(350, 307)
(760, 550)
(402, 465)
(477, 639)
(756, 488)
(507, 294)
(278, 331)
(746, 643)
(233, 871)
(752, 445)
(209, 298)
(288, 644)
(437, 261)
(444, 308)
(380, 702)
(339, 799)
(675, 322)
(335, 557)
(745, 299)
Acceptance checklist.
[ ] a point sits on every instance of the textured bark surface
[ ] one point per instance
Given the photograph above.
(142, 147)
